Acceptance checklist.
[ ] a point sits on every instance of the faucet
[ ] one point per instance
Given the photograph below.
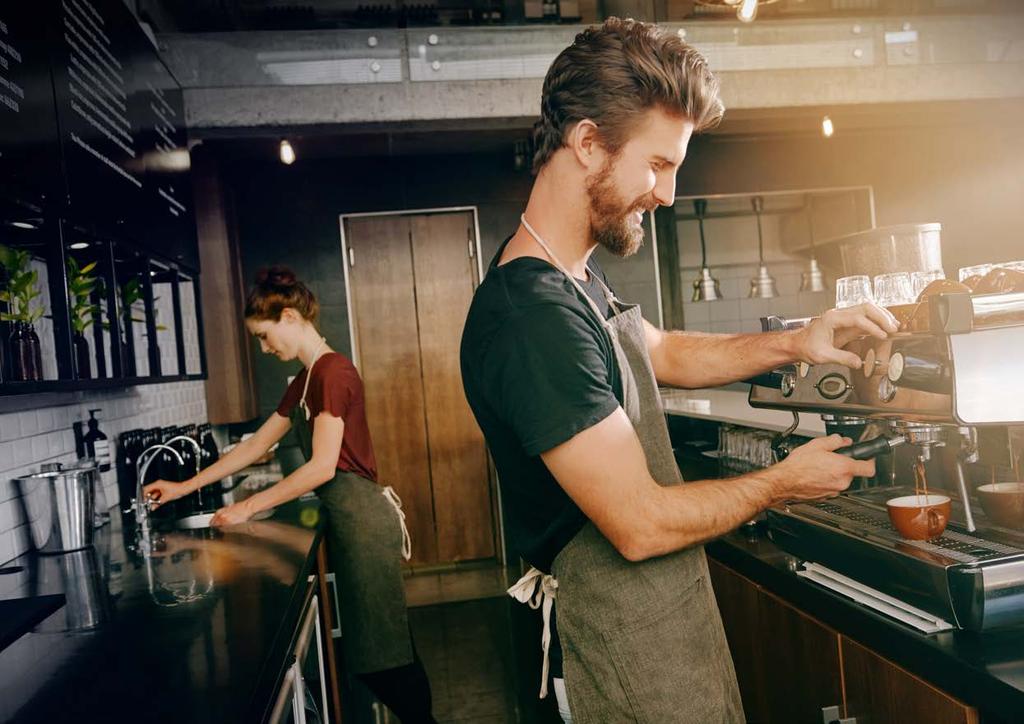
(193, 443)
(141, 467)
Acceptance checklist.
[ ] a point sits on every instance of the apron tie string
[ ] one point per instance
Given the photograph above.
(537, 589)
(396, 503)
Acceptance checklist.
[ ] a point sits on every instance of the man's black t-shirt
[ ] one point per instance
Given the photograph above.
(538, 368)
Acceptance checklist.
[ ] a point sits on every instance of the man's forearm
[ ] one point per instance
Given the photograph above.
(680, 516)
(693, 360)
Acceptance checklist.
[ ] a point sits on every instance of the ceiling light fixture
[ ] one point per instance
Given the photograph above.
(747, 11)
(705, 286)
(812, 280)
(763, 285)
(827, 127)
(79, 245)
(287, 152)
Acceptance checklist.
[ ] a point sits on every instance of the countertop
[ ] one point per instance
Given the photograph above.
(985, 670)
(729, 404)
(195, 632)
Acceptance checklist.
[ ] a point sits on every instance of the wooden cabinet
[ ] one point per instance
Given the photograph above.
(792, 668)
(230, 387)
(880, 692)
(787, 664)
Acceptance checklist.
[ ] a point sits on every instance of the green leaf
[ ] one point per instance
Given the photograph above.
(87, 268)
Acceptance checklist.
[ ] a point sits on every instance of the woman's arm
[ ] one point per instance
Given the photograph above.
(241, 456)
(328, 433)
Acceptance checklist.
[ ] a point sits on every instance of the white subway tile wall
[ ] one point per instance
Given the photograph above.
(735, 312)
(31, 437)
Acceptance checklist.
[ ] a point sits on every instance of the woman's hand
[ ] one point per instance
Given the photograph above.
(233, 514)
(162, 492)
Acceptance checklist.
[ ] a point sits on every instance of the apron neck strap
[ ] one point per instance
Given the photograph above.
(561, 267)
(309, 373)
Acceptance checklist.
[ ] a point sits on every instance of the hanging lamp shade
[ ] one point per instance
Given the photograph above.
(705, 286)
(762, 286)
(812, 279)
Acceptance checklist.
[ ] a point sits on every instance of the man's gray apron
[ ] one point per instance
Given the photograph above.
(641, 641)
(365, 538)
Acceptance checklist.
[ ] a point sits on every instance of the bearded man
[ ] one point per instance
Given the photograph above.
(563, 379)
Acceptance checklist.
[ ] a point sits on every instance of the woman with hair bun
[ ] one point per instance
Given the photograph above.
(366, 530)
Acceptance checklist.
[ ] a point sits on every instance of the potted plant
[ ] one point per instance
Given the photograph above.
(83, 313)
(19, 295)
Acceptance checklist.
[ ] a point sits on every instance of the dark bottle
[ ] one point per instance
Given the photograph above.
(127, 454)
(210, 452)
(83, 365)
(97, 446)
(26, 356)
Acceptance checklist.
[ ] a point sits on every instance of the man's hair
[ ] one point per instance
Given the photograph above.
(612, 74)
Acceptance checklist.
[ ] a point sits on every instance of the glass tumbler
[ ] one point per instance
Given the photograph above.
(853, 290)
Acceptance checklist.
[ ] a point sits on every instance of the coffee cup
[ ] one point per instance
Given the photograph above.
(1003, 503)
(919, 517)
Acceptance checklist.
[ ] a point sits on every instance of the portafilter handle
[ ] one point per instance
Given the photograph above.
(872, 448)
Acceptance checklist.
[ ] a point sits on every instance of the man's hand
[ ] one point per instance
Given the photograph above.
(813, 471)
(822, 340)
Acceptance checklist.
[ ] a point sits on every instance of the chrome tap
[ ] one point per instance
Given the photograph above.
(139, 502)
(197, 446)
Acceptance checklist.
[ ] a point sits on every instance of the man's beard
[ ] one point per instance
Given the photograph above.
(610, 218)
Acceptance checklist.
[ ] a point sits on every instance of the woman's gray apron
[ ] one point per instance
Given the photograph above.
(642, 642)
(365, 538)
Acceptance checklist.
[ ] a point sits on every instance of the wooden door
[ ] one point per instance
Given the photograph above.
(386, 335)
(445, 280)
(412, 281)
(880, 692)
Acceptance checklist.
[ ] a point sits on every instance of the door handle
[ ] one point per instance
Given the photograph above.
(332, 578)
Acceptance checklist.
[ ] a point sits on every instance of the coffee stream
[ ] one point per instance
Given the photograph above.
(920, 481)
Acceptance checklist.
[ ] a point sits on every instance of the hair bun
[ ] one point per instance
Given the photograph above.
(276, 276)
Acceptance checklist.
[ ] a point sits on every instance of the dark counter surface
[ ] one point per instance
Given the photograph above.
(197, 631)
(985, 670)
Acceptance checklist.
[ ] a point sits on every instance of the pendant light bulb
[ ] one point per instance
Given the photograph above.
(287, 152)
(747, 11)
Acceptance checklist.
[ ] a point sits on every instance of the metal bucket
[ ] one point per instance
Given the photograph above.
(60, 508)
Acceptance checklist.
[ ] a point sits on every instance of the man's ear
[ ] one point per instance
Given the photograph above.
(585, 143)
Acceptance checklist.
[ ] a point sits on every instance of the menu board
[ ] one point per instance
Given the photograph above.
(92, 83)
(159, 117)
(29, 145)
(122, 129)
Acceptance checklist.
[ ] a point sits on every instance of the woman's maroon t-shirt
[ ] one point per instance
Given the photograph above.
(337, 389)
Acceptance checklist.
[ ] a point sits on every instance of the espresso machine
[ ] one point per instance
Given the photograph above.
(950, 393)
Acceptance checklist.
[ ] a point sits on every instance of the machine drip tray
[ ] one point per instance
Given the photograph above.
(973, 579)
